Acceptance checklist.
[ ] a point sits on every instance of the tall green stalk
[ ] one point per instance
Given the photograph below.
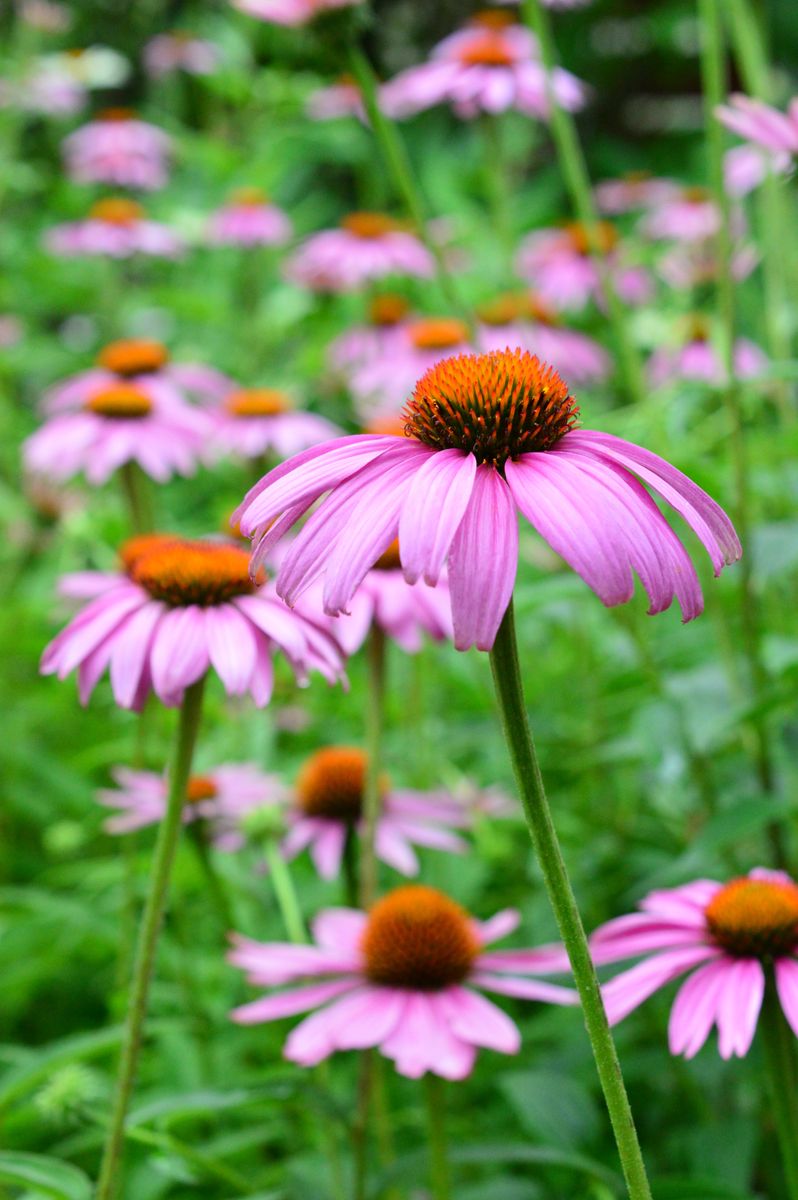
(149, 929)
(135, 489)
(372, 790)
(782, 1073)
(509, 691)
(440, 1173)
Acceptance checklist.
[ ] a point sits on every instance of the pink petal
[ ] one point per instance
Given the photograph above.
(483, 561)
(327, 849)
(476, 1020)
(232, 647)
(432, 512)
(629, 989)
(422, 1041)
(130, 654)
(340, 929)
(525, 989)
(786, 971)
(498, 926)
(288, 1004)
(179, 655)
(695, 1008)
(739, 1006)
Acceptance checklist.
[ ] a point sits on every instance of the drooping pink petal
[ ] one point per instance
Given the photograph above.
(232, 647)
(695, 1009)
(524, 989)
(786, 972)
(432, 512)
(288, 1004)
(483, 561)
(738, 1008)
(314, 1039)
(544, 960)
(476, 1020)
(130, 654)
(422, 1041)
(629, 989)
(340, 929)
(394, 849)
(179, 655)
(327, 848)
(639, 933)
(498, 926)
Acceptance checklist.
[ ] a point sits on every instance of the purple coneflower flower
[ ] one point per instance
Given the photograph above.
(249, 219)
(761, 124)
(253, 421)
(179, 50)
(559, 265)
(359, 344)
(690, 215)
(340, 99)
(698, 359)
(380, 386)
(119, 149)
(117, 228)
(633, 191)
(366, 246)
(525, 320)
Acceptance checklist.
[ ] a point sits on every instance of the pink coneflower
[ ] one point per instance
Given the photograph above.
(119, 149)
(221, 798)
(560, 267)
(690, 215)
(366, 246)
(524, 320)
(694, 264)
(698, 359)
(757, 122)
(249, 219)
(290, 12)
(633, 191)
(746, 167)
(180, 51)
(340, 99)
(181, 608)
(387, 316)
(488, 66)
(117, 228)
(252, 422)
(399, 980)
(486, 435)
(730, 932)
(381, 385)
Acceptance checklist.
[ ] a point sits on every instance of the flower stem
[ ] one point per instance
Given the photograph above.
(440, 1174)
(577, 182)
(285, 893)
(510, 694)
(372, 799)
(497, 189)
(216, 889)
(782, 1072)
(137, 497)
(168, 834)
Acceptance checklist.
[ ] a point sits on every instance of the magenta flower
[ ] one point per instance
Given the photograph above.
(632, 192)
(180, 51)
(698, 359)
(388, 315)
(290, 12)
(757, 122)
(248, 219)
(340, 99)
(690, 215)
(221, 798)
(692, 264)
(746, 167)
(381, 385)
(366, 247)
(181, 608)
(487, 435)
(116, 228)
(523, 320)
(119, 149)
(559, 266)
(404, 978)
(730, 933)
(252, 422)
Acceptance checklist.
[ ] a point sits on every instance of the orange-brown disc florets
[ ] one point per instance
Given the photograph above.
(199, 788)
(138, 547)
(491, 50)
(696, 195)
(133, 356)
(116, 114)
(248, 197)
(604, 237)
(257, 402)
(416, 937)
(121, 401)
(202, 573)
(369, 224)
(331, 783)
(116, 210)
(755, 917)
(697, 328)
(502, 310)
(494, 406)
(389, 560)
(388, 308)
(438, 333)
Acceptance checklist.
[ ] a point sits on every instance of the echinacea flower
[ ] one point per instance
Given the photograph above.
(746, 167)
(340, 99)
(690, 215)
(117, 228)
(387, 317)
(249, 219)
(690, 265)
(728, 936)
(761, 124)
(180, 50)
(486, 435)
(253, 421)
(380, 386)
(221, 798)
(366, 246)
(290, 12)
(559, 266)
(525, 320)
(181, 608)
(697, 358)
(119, 149)
(633, 191)
(405, 977)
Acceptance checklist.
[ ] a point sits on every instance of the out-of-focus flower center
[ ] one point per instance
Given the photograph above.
(199, 788)
(133, 356)
(248, 197)
(490, 50)
(257, 402)
(697, 328)
(331, 784)
(121, 401)
(502, 310)
(116, 210)
(438, 334)
(387, 309)
(116, 114)
(605, 237)
(696, 195)
(536, 309)
(492, 18)
(494, 406)
(634, 177)
(755, 917)
(416, 937)
(138, 547)
(201, 573)
(389, 560)
(369, 225)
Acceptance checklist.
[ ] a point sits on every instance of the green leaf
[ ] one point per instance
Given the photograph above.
(41, 1063)
(556, 1108)
(695, 1189)
(44, 1177)
(201, 1103)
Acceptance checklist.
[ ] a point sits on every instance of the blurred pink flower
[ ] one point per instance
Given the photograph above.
(388, 315)
(746, 167)
(522, 320)
(697, 358)
(759, 123)
(182, 608)
(254, 421)
(731, 933)
(290, 12)
(11, 330)
(340, 99)
(398, 979)
(485, 436)
(45, 15)
(249, 219)
(693, 264)
(119, 149)
(634, 191)
(367, 246)
(558, 265)
(180, 51)
(44, 90)
(115, 227)
(689, 216)
(381, 385)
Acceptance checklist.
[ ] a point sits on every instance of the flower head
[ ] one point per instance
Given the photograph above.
(406, 978)
(249, 219)
(381, 384)
(119, 149)
(340, 99)
(558, 263)
(367, 246)
(179, 50)
(525, 320)
(698, 358)
(761, 124)
(116, 227)
(253, 421)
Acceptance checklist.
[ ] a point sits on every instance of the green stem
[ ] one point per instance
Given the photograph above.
(497, 190)
(137, 497)
(168, 834)
(782, 1073)
(372, 797)
(577, 181)
(216, 889)
(440, 1174)
(285, 893)
(510, 694)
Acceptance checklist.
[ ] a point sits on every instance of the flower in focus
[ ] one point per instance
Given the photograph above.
(698, 359)
(727, 936)
(560, 267)
(253, 421)
(290, 12)
(485, 436)
(249, 219)
(757, 122)
(221, 798)
(387, 318)
(366, 246)
(405, 977)
(488, 66)
(633, 191)
(116, 227)
(180, 51)
(119, 149)
(380, 386)
(340, 99)
(181, 608)
(525, 320)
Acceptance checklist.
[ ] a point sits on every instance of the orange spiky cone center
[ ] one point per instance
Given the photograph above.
(141, 545)
(755, 917)
(440, 333)
(257, 402)
(369, 225)
(183, 573)
(388, 308)
(488, 50)
(121, 402)
(116, 114)
(133, 356)
(117, 210)
(417, 938)
(331, 784)
(605, 237)
(199, 788)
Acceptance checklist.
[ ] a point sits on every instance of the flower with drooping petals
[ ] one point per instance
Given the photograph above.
(525, 320)
(119, 149)
(486, 435)
(117, 228)
(728, 936)
(559, 266)
(249, 219)
(179, 50)
(290, 12)
(252, 422)
(761, 124)
(690, 215)
(746, 167)
(488, 66)
(387, 317)
(633, 191)
(403, 978)
(182, 608)
(340, 99)
(366, 246)
(697, 358)
(380, 386)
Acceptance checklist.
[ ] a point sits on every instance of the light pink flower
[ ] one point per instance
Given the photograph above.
(180, 51)
(697, 358)
(557, 263)
(405, 977)
(724, 935)
(487, 435)
(359, 344)
(367, 246)
(746, 167)
(693, 264)
(44, 90)
(180, 609)
(221, 797)
(689, 216)
(117, 228)
(634, 191)
(381, 385)
(253, 421)
(757, 122)
(523, 320)
(249, 219)
(340, 99)
(119, 149)
(290, 12)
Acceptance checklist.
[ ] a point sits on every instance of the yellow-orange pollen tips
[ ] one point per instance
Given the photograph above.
(257, 402)
(495, 406)
(331, 784)
(199, 788)
(489, 50)
(755, 917)
(439, 333)
(134, 356)
(121, 402)
(602, 236)
(416, 937)
(181, 573)
(143, 544)
(369, 225)
(116, 210)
